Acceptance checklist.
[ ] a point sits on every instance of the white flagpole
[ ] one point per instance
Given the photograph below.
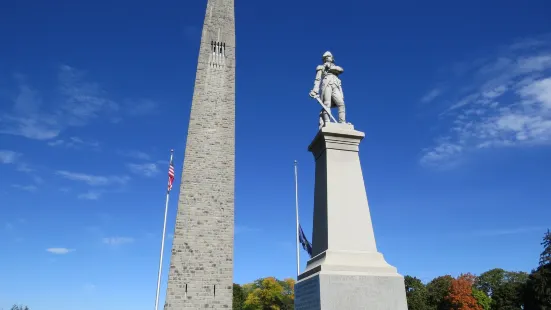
(296, 210)
(162, 245)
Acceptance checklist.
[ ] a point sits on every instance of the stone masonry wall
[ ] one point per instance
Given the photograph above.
(201, 267)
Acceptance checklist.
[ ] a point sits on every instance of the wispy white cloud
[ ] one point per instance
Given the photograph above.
(14, 158)
(141, 107)
(24, 167)
(163, 162)
(84, 100)
(28, 188)
(60, 251)
(242, 229)
(90, 195)
(74, 142)
(8, 157)
(431, 95)
(117, 240)
(134, 154)
(508, 104)
(503, 231)
(147, 169)
(77, 102)
(33, 127)
(93, 180)
(27, 118)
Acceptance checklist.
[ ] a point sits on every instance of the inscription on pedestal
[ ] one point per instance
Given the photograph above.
(307, 294)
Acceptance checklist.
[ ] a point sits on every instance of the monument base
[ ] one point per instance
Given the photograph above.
(338, 280)
(347, 291)
(346, 272)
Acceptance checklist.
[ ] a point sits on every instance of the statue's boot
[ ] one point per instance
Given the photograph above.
(326, 118)
(342, 114)
(323, 118)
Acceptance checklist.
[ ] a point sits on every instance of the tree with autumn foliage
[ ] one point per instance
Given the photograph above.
(461, 296)
(270, 294)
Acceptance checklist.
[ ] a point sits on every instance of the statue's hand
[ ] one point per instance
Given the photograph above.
(313, 94)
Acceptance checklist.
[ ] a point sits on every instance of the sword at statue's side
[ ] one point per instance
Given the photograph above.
(325, 108)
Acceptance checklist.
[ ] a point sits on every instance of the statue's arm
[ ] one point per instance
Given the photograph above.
(337, 69)
(317, 81)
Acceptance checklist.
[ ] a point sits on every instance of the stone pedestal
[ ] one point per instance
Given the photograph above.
(346, 272)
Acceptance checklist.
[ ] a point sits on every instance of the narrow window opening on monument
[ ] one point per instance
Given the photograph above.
(215, 290)
(218, 48)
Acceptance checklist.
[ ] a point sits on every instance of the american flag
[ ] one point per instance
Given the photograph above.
(170, 174)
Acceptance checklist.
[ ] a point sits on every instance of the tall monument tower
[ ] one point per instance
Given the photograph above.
(201, 266)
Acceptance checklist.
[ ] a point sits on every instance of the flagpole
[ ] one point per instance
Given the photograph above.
(162, 244)
(296, 210)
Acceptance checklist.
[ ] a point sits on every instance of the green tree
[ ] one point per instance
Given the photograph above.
(416, 294)
(438, 289)
(482, 299)
(509, 294)
(545, 256)
(504, 287)
(538, 287)
(516, 277)
(490, 280)
(238, 297)
(248, 288)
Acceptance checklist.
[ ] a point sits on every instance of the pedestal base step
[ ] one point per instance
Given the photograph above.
(350, 292)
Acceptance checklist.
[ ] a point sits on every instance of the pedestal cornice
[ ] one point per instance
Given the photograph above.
(336, 136)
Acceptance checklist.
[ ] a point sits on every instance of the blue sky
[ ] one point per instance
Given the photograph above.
(455, 101)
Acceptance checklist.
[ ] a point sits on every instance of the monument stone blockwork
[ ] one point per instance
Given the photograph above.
(201, 265)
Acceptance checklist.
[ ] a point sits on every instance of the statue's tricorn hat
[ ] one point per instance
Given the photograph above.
(326, 54)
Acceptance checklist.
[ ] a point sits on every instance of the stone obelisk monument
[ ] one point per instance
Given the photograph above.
(201, 266)
(346, 271)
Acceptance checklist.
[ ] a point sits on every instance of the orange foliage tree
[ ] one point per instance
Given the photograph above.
(461, 293)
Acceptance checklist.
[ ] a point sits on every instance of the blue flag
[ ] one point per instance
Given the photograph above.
(306, 245)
